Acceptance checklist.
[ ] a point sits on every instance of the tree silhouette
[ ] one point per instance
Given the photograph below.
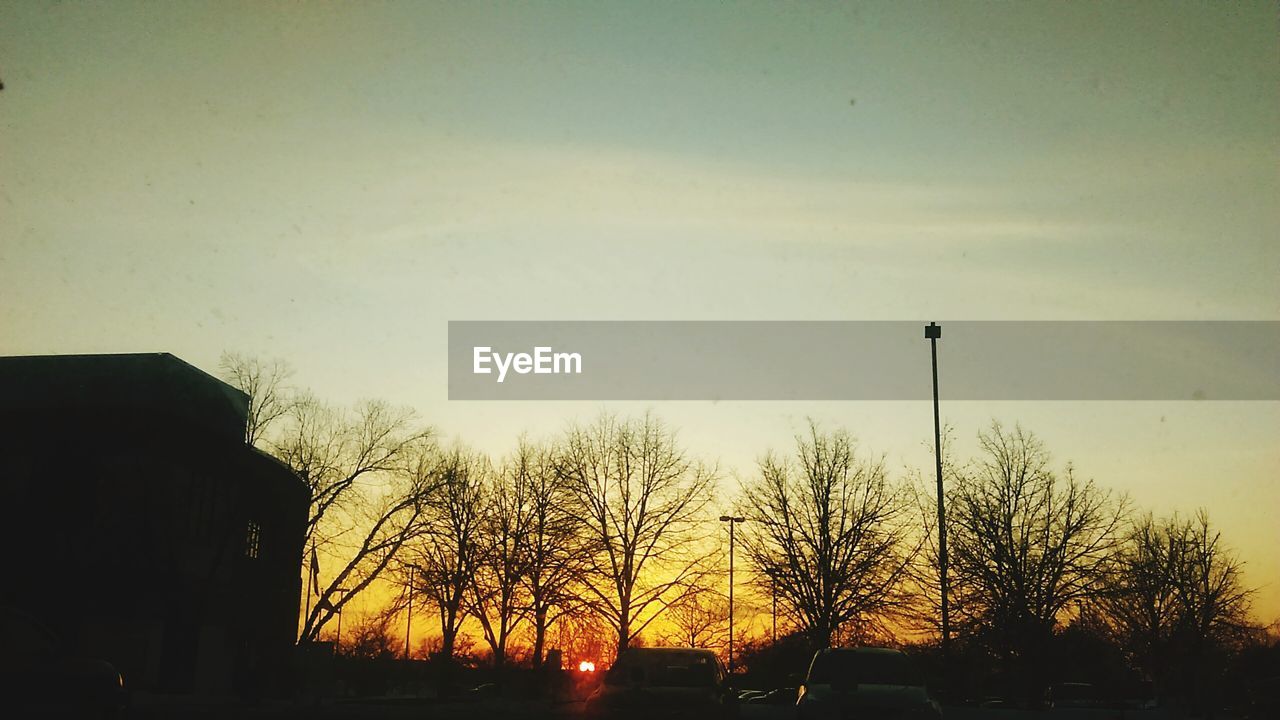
(266, 382)
(367, 471)
(1175, 601)
(556, 541)
(698, 620)
(445, 558)
(832, 532)
(389, 516)
(1025, 544)
(642, 500)
(498, 598)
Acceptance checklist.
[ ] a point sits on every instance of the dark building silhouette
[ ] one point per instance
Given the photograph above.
(140, 527)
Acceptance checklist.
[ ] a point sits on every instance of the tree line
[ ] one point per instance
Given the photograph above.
(612, 523)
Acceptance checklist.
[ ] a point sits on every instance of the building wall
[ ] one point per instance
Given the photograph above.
(128, 537)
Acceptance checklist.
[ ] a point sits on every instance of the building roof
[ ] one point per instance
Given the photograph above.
(153, 383)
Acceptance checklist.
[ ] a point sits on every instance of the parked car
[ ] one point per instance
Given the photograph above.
(40, 678)
(777, 696)
(776, 704)
(864, 683)
(665, 683)
(1073, 695)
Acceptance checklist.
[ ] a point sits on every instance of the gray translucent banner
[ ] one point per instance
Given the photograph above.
(863, 360)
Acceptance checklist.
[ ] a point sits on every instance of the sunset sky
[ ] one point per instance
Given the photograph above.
(332, 184)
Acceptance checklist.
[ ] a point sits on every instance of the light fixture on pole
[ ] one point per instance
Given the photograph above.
(732, 520)
(933, 333)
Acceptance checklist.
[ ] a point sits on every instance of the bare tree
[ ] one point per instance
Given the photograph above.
(1211, 592)
(583, 635)
(1139, 604)
(334, 451)
(1175, 598)
(382, 519)
(698, 620)
(830, 534)
(502, 559)
(366, 471)
(1024, 542)
(555, 551)
(266, 384)
(642, 499)
(442, 562)
(372, 638)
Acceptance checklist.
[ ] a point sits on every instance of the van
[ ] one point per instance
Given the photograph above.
(664, 683)
(864, 683)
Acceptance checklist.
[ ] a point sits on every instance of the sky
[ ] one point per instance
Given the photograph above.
(331, 184)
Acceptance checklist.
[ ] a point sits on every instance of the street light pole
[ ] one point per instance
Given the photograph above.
(732, 521)
(773, 592)
(310, 581)
(933, 332)
(408, 614)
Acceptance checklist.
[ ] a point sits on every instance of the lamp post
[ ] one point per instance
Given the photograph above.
(408, 613)
(732, 520)
(933, 333)
(311, 582)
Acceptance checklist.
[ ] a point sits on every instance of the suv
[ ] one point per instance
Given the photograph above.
(664, 683)
(864, 682)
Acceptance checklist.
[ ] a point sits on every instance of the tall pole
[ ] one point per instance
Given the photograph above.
(732, 521)
(408, 616)
(933, 332)
(773, 591)
(311, 574)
